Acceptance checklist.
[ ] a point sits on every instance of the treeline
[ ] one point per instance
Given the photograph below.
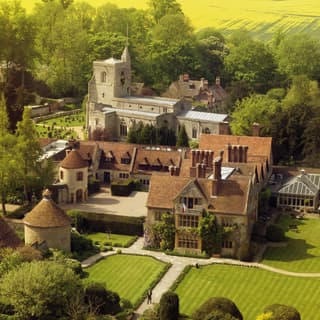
(51, 51)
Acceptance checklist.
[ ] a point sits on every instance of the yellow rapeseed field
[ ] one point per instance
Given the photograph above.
(261, 17)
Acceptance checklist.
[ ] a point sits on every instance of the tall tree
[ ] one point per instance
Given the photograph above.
(256, 108)
(299, 54)
(160, 8)
(182, 139)
(40, 289)
(9, 164)
(251, 61)
(28, 149)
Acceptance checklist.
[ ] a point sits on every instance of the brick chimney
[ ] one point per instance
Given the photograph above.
(224, 128)
(256, 129)
(201, 170)
(216, 174)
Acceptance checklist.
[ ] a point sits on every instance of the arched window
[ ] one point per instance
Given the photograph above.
(103, 76)
(123, 128)
(194, 133)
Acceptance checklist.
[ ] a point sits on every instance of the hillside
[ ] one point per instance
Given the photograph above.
(260, 17)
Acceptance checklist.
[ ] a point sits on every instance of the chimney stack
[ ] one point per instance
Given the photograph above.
(216, 174)
(201, 170)
(256, 129)
(218, 81)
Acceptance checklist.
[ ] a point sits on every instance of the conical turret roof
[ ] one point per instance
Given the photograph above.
(47, 214)
(73, 160)
(8, 237)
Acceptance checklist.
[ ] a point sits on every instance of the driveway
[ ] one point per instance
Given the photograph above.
(104, 202)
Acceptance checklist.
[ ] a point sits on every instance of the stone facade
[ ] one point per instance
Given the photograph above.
(111, 106)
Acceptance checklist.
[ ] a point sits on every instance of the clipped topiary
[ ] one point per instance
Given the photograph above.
(169, 306)
(103, 300)
(218, 315)
(219, 304)
(275, 233)
(282, 312)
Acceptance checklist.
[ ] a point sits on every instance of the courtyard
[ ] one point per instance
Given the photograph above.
(103, 202)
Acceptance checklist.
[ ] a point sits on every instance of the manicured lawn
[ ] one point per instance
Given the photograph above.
(302, 253)
(119, 240)
(129, 275)
(250, 288)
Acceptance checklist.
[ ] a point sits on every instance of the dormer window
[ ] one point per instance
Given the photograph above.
(103, 76)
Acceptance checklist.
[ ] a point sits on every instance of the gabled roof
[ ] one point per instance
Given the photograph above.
(8, 237)
(47, 214)
(202, 116)
(73, 160)
(119, 150)
(258, 147)
(232, 196)
(156, 158)
(164, 189)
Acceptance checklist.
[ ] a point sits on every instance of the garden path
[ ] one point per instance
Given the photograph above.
(178, 264)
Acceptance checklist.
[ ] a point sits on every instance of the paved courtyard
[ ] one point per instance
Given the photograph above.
(103, 202)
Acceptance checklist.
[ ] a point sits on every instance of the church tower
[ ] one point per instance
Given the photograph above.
(111, 79)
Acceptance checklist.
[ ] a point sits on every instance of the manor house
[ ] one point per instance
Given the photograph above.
(111, 106)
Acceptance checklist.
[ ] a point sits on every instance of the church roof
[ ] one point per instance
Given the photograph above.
(203, 116)
(8, 237)
(47, 214)
(73, 160)
(150, 100)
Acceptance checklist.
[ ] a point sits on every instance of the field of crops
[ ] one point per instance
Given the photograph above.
(261, 17)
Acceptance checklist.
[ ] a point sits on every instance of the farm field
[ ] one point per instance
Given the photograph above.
(261, 17)
(113, 239)
(128, 275)
(250, 288)
(302, 253)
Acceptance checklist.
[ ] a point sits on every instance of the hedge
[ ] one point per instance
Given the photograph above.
(95, 222)
(122, 188)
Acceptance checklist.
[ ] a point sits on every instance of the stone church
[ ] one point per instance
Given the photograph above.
(111, 106)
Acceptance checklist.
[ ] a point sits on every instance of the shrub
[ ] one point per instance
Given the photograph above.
(220, 304)
(282, 312)
(116, 224)
(275, 233)
(122, 188)
(101, 299)
(118, 251)
(218, 315)
(77, 219)
(93, 186)
(169, 306)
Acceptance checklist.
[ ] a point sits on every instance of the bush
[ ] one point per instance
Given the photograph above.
(77, 219)
(218, 315)
(275, 233)
(169, 306)
(93, 186)
(101, 299)
(223, 305)
(122, 188)
(118, 251)
(82, 247)
(282, 312)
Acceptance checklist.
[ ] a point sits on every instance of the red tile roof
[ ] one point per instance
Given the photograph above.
(156, 158)
(257, 146)
(232, 195)
(73, 160)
